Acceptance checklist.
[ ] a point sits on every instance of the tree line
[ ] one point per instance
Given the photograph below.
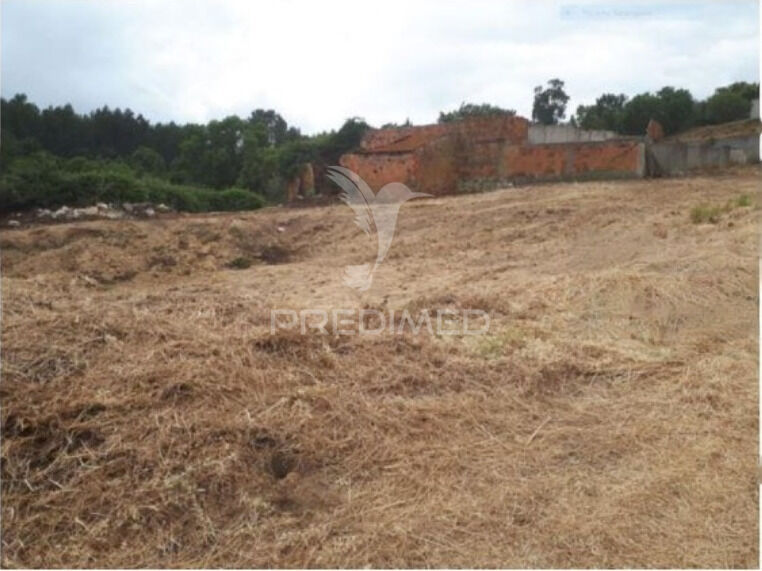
(55, 156)
(676, 109)
(47, 153)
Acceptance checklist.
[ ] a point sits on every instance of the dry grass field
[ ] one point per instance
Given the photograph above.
(608, 418)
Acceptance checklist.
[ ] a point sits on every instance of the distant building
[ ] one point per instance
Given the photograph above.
(490, 152)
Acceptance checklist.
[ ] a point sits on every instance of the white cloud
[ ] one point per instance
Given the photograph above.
(318, 63)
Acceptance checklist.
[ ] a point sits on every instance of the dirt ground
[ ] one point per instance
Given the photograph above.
(608, 418)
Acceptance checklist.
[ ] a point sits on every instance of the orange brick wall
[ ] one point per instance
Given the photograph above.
(437, 167)
(401, 138)
(574, 159)
(467, 155)
(611, 156)
(480, 160)
(535, 160)
(513, 130)
(378, 169)
(476, 129)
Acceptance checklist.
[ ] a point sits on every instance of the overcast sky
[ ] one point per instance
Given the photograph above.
(318, 63)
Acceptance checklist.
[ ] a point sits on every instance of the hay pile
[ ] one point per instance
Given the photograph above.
(608, 419)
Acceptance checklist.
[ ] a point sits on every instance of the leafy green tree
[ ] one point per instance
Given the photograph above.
(224, 152)
(730, 103)
(211, 155)
(113, 133)
(260, 159)
(61, 131)
(166, 139)
(188, 166)
(549, 106)
(20, 117)
(723, 107)
(638, 112)
(348, 137)
(676, 108)
(749, 91)
(146, 160)
(605, 114)
(467, 110)
(276, 128)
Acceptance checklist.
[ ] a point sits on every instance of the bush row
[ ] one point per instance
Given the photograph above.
(41, 180)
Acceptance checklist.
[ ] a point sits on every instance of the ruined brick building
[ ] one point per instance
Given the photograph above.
(482, 153)
(487, 152)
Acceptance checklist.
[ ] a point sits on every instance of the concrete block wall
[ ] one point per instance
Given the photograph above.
(557, 134)
(678, 157)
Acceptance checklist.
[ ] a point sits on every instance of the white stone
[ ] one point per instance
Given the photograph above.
(88, 211)
(62, 212)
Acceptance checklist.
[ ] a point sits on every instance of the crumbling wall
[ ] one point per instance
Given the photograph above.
(490, 165)
(481, 160)
(307, 180)
(401, 139)
(535, 161)
(433, 158)
(482, 145)
(475, 129)
(302, 184)
(617, 158)
(378, 169)
(437, 165)
(487, 152)
(506, 129)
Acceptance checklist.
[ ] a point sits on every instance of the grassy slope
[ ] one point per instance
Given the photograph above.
(609, 418)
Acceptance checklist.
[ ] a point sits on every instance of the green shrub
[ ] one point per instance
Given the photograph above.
(236, 199)
(702, 214)
(42, 180)
(711, 213)
(240, 263)
(81, 189)
(743, 201)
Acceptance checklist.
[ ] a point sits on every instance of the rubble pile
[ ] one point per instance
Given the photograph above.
(100, 210)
